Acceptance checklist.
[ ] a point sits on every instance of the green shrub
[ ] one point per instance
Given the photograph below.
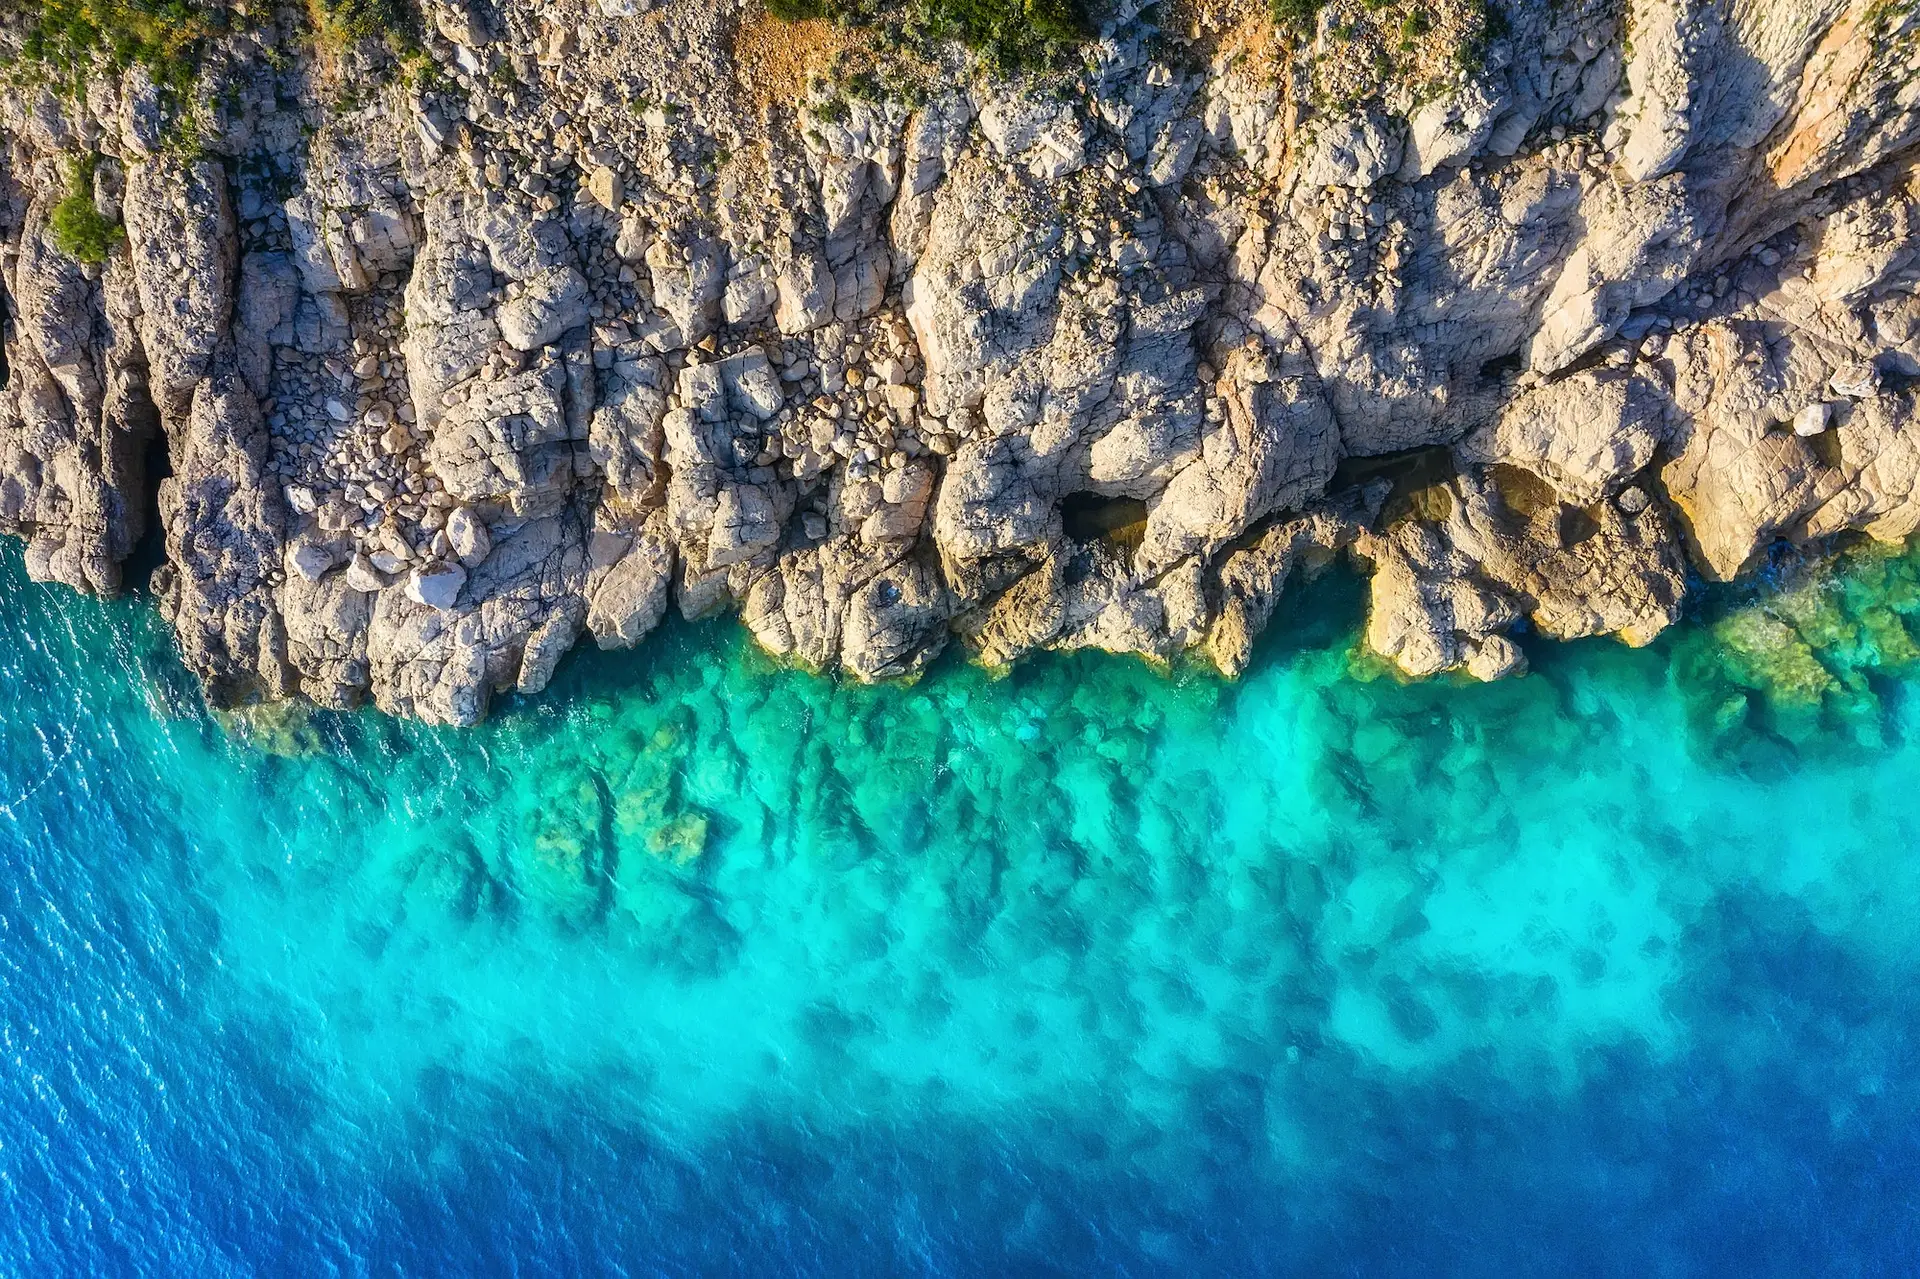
(1059, 21)
(69, 37)
(1299, 14)
(1010, 33)
(79, 228)
(347, 21)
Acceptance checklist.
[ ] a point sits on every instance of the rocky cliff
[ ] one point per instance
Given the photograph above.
(429, 357)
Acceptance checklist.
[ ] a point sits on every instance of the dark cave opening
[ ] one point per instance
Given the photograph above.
(1091, 517)
(150, 552)
(1418, 476)
(1577, 524)
(6, 333)
(1500, 368)
(1522, 492)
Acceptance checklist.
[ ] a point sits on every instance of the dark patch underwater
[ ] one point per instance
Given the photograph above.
(700, 966)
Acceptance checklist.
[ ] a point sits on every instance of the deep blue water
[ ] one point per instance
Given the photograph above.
(698, 966)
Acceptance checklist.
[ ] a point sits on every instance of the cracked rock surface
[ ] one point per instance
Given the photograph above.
(603, 318)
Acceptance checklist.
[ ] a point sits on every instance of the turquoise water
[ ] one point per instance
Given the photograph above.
(696, 965)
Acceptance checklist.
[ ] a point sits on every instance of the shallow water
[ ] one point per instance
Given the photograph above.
(696, 965)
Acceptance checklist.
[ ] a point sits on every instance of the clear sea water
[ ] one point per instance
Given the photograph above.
(695, 965)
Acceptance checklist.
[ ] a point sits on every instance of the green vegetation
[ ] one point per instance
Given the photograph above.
(343, 22)
(72, 37)
(1296, 14)
(1399, 38)
(1889, 26)
(1022, 34)
(423, 74)
(1394, 54)
(67, 40)
(79, 228)
(1012, 34)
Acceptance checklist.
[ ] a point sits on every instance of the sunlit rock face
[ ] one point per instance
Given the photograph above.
(424, 367)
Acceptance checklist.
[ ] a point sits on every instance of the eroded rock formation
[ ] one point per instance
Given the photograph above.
(618, 310)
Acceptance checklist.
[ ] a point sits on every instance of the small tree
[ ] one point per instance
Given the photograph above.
(80, 230)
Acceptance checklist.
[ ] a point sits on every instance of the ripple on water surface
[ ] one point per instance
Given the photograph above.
(696, 964)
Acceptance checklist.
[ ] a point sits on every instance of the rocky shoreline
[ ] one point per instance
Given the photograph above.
(459, 353)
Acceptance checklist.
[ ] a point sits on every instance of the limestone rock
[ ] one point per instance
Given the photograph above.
(361, 575)
(1276, 448)
(553, 302)
(224, 526)
(310, 560)
(631, 598)
(567, 326)
(1736, 476)
(437, 587)
(1355, 151)
(1586, 434)
(468, 534)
